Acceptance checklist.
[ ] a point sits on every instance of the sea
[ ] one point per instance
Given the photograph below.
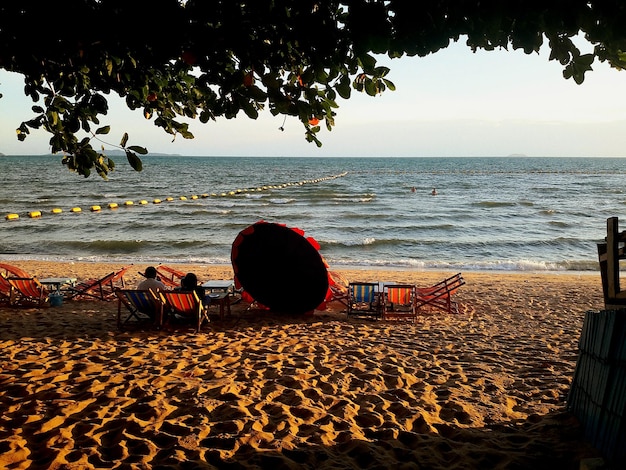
(489, 214)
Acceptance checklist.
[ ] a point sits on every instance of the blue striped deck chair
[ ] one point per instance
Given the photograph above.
(363, 299)
(142, 305)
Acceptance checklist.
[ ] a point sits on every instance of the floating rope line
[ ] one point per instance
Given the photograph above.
(236, 192)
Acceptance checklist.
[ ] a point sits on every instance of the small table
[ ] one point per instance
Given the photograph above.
(223, 300)
(56, 282)
(219, 292)
(220, 285)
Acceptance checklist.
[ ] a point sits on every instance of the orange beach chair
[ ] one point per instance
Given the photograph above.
(27, 292)
(185, 304)
(399, 302)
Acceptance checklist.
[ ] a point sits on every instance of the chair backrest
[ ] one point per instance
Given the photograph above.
(171, 277)
(448, 286)
(400, 294)
(12, 271)
(28, 286)
(145, 301)
(107, 281)
(364, 292)
(182, 302)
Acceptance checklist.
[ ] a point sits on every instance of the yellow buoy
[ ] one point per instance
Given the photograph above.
(205, 195)
(129, 203)
(76, 209)
(56, 210)
(143, 202)
(34, 214)
(12, 216)
(113, 205)
(231, 193)
(156, 201)
(194, 197)
(95, 208)
(183, 198)
(170, 198)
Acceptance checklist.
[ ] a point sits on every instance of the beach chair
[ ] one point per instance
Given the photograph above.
(338, 287)
(12, 271)
(439, 296)
(5, 289)
(142, 304)
(27, 292)
(6, 271)
(101, 289)
(363, 299)
(185, 304)
(399, 302)
(171, 277)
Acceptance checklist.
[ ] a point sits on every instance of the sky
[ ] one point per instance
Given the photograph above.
(452, 103)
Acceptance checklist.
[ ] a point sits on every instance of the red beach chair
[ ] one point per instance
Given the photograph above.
(171, 277)
(439, 296)
(101, 289)
(27, 292)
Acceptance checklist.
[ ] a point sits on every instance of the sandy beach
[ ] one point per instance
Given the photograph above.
(484, 389)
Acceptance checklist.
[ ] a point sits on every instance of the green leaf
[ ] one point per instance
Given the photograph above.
(389, 84)
(139, 150)
(124, 140)
(381, 71)
(134, 161)
(103, 130)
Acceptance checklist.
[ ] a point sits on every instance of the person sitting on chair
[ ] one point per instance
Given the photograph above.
(190, 283)
(151, 282)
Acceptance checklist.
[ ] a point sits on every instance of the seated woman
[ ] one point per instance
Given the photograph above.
(190, 283)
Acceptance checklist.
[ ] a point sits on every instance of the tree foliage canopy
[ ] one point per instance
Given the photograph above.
(209, 59)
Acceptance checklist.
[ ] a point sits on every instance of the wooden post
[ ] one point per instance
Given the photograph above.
(609, 254)
(612, 265)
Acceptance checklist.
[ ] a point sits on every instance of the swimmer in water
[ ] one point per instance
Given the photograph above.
(434, 192)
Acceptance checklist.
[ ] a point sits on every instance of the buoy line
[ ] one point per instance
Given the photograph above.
(35, 214)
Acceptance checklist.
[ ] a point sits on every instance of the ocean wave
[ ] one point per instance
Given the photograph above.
(490, 204)
(281, 200)
(503, 265)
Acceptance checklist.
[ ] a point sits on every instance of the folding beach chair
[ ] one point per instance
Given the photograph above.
(439, 296)
(12, 271)
(338, 287)
(27, 292)
(142, 305)
(363, 299)
(6, 271)
(185, 304)
(399, 302)
(171, 277)
(101, 289)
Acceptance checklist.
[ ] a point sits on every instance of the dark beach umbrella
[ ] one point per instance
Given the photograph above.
(279, 268)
